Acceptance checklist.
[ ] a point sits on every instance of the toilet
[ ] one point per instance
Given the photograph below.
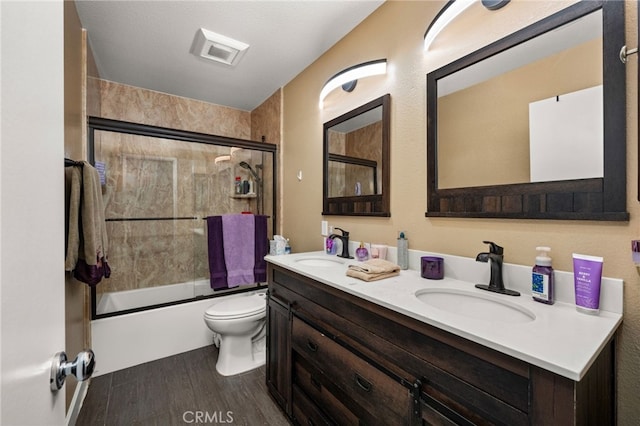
(239, 323)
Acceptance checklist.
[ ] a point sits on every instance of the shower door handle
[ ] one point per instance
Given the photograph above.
(81, 368)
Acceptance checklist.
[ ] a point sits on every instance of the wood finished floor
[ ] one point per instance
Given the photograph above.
(174, 390)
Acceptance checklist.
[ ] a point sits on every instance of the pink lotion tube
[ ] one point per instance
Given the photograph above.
(587, 275)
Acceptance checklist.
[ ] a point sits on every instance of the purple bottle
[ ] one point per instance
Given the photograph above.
(362, 253)
(542, 277)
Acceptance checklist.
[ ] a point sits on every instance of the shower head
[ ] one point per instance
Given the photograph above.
(246, 165)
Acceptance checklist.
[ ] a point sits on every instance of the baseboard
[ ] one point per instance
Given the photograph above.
(76, 402)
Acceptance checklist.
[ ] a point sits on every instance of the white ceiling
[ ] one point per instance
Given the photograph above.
(147, 43)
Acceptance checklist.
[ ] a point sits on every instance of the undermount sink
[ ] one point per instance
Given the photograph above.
(319, 261)
(474, 305)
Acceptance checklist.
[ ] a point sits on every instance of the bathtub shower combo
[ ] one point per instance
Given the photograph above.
(131, 300)
(159, 186)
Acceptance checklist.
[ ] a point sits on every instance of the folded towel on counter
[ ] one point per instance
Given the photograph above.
(373, 270)
(217, 267)
(238, 232)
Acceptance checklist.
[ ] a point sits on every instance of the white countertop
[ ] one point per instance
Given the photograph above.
(559, 339)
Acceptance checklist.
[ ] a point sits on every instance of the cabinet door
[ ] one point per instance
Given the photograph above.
(312, 383)
(377, 398)
(279, 352)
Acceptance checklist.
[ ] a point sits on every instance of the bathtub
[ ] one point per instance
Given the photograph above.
(132, 299)
(127, 340)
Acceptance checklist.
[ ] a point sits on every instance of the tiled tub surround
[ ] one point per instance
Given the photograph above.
(162, 179)
(560, 339)
(138, 105)
(155, 254)
(131, 299)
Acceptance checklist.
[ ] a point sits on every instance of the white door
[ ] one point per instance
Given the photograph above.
(31, 210)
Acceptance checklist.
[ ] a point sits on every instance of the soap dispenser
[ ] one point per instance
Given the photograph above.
(542, 277)
(329, 246)
(403, 251)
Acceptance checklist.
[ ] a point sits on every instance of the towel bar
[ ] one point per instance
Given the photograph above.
(123, 219)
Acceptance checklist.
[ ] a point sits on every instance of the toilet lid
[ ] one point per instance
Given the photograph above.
(237, 306)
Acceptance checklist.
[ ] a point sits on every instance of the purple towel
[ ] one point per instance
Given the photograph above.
(262, 248)
(217, 267)
(238, 232)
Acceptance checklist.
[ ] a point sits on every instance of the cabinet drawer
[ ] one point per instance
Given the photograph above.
(378, 394)
(305, 412)
(312, 383)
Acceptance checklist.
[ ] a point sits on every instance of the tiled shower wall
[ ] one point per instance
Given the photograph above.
(149, 177)
(137, 105)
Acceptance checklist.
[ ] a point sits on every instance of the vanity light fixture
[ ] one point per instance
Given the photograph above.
(348, 75)
(450, 12)
(494, 4)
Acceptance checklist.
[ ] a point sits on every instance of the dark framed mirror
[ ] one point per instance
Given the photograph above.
(356, 171)
(493, 115)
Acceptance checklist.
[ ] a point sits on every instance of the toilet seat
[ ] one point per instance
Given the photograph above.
(237, 307)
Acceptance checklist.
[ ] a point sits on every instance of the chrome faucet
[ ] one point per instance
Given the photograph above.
(495, 257)
(345, 243)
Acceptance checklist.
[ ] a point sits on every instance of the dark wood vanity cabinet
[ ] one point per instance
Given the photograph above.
(279, 351)
(334, 358)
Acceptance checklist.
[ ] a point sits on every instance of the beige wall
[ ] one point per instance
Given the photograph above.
(395, 32)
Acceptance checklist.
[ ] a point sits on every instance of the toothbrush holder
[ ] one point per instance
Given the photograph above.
(432, 267)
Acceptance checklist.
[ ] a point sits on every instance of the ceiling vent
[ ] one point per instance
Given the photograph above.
(216, 47)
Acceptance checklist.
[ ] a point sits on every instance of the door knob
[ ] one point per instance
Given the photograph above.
(81, 368)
